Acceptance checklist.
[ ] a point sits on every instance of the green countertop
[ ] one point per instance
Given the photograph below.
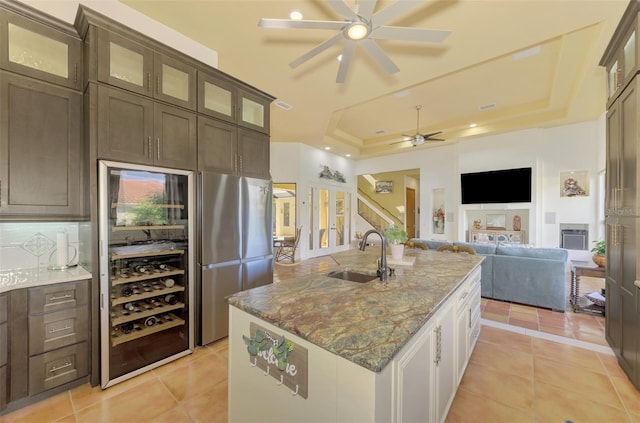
(366, 323)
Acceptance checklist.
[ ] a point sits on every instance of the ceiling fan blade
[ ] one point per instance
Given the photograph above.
(409, 34)
(430, 134)
(317, 50)
(294, 24)
(391, 12)
(379, 55)
(347, 54)
(365, 8)
(433, 139)
(342, 9)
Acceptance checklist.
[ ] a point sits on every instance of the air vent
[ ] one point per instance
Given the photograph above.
(283, 105)
(401, 94)
(487, 106)
(380, 132)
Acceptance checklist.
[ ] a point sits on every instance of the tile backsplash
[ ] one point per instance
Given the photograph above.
(30, 245)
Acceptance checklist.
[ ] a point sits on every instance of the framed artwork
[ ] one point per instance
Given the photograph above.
(496, 221)
(574, 183)
(384, 187)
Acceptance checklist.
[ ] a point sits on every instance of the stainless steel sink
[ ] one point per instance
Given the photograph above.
(352, 276)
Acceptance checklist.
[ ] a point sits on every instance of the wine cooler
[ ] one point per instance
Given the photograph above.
(146, 268)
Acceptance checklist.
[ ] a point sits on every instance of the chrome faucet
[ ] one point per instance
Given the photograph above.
(382, 262)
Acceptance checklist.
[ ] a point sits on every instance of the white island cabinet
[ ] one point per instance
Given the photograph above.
(417, 384)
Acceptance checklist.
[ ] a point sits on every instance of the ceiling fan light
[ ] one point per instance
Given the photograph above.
(357, 31)
(296, 15)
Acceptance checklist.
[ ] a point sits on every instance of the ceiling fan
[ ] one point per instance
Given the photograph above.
(418, 138)
(361, 27)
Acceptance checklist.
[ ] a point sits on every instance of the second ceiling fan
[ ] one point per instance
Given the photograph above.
(362, 28)
(418, 138)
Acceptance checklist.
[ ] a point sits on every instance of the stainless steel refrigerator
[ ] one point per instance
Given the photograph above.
(236, 245)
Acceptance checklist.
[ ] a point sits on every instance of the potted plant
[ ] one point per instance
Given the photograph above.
(599, 251)
(396, 238)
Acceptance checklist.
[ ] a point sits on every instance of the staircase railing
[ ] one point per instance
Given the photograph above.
(372, 207)
(375, 217)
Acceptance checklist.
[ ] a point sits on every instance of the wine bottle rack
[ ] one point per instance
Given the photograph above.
(136, 277)
(146, 254)
(124, 316)
(165, 321)
(145, 295)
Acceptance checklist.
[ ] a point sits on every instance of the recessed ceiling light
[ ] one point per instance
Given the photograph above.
(347, 155)
(327, 148)
(296, 15)
(340, 58)
(473, 125)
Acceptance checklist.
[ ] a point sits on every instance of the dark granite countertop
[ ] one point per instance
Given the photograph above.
(366, 323)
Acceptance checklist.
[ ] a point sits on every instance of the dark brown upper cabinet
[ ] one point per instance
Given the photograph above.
(223, 98)
(132, 66)
(46, 52)
(135, 129)
(40, 148)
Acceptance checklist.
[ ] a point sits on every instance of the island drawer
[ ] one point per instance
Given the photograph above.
(59, 296)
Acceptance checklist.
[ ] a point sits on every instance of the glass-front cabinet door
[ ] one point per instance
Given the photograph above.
(124, 63)
(146, 268)
(40, 51)
(216, 97)
(254, 111)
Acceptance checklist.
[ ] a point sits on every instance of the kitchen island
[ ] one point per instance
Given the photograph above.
(358, 351)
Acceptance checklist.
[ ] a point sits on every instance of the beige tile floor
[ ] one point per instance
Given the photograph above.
(514, 375)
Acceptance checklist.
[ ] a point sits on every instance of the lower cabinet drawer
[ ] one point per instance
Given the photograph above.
(4, 343)
(3, 387)
(46, 298)
(57, 367)
(58, 329)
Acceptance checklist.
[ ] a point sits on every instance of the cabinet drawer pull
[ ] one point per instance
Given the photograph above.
(148, 81)
(158, 148)
(65, 296)
(75, 72)
(59, 329)
(55, 369)
(157, 84)
(149, 146)
(464, 295)
(241, 167)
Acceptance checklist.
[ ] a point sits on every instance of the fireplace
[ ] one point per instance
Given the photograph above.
(574, 236)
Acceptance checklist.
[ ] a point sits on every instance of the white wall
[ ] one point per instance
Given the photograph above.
(547, 151)
(301, 164)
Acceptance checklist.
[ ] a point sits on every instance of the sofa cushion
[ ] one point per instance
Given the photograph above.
(559, 254)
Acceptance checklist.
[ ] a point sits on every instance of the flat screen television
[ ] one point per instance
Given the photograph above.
(496, 186)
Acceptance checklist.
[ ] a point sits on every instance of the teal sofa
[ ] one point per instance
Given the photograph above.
(533, 276)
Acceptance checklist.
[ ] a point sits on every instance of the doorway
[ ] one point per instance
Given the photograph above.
(329, 220)
(410, 210)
